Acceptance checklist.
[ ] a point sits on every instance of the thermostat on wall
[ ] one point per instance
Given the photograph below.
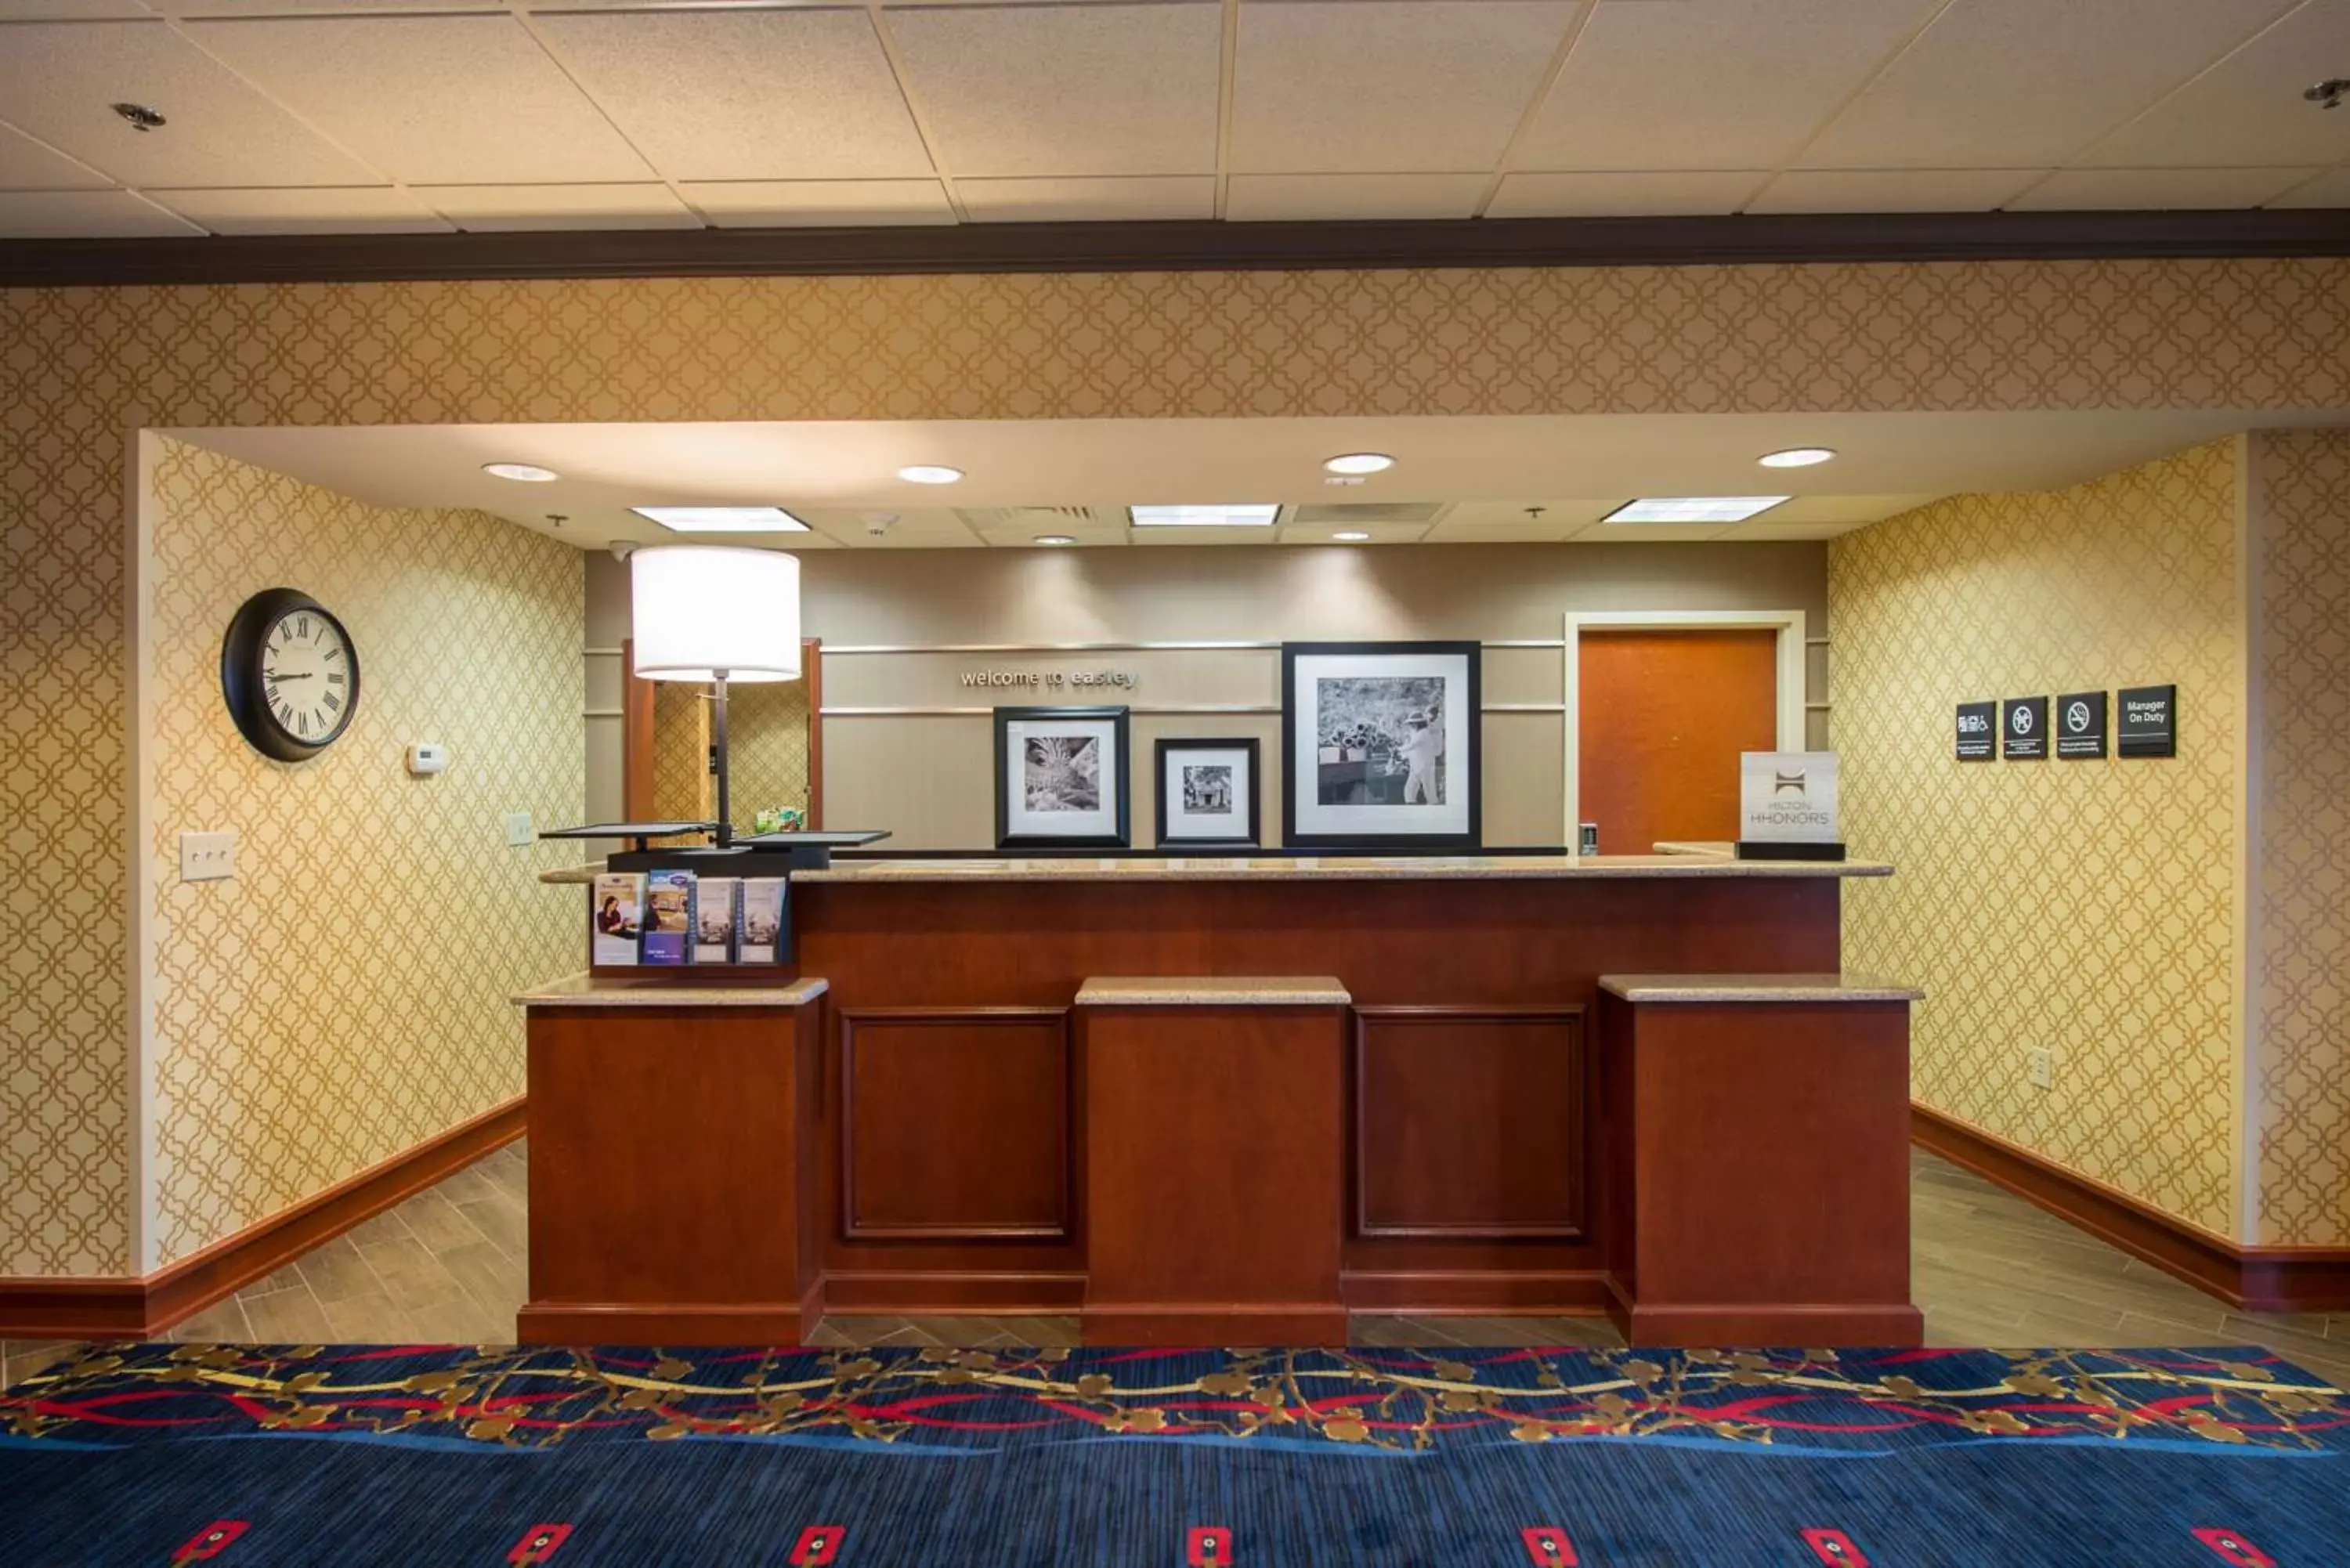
(427, 757)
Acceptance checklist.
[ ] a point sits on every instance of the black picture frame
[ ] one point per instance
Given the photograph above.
(1168, 746)
(1301, 783)
(1120, 785)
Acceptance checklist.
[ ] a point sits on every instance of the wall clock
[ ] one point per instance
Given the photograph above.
(290, 674)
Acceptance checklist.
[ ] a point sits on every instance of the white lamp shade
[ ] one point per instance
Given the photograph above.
(701, 611)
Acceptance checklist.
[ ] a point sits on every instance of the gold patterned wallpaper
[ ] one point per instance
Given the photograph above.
(681, 753)
(81, 368)
(767, 750)
(2299, 501)
(345, 997)
(2086, 907)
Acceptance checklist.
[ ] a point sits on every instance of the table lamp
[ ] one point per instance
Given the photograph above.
(716, 613)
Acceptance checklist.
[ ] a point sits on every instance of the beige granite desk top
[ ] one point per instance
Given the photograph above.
(1756, 988)
(1335, 868)
(1214, 990)
(583, 873)
(596, 990)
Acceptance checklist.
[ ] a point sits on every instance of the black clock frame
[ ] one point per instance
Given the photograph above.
(243, 651)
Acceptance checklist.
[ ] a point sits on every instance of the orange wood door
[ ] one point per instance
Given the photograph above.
(1664, 715)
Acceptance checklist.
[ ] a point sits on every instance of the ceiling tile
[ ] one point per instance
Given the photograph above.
(913, 528)
(1518, 522)
(84, 214)
(432, 99)
(2146, 190)
(1089, 200)
(1890, 190)
(1809, 510)
(1648, 192)
(1067, 89)
(1263, 197)
(2329, 190)
(492, 208)
(26, 165)
(1324, 532)
(71, 10)
(747, 94)
(2248, 111)
(819, 203)
(1703, 82)
(1651, 534)
(315, 210)
(1759, 530)
(2013, 84)
(56, 80)
(1371, 85)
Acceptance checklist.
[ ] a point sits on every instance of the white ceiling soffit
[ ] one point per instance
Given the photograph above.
(503, 114)
(1463, 480)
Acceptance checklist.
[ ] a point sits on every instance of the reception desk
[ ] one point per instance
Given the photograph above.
(1234, 1100)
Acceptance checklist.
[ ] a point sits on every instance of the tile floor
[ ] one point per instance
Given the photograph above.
(1989, 1269)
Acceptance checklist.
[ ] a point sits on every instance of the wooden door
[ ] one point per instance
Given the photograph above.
(1663, 716)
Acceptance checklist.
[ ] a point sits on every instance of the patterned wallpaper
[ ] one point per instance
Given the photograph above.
(2301, 942)
(82, 367)
(767, 750)
(2089, 908)
(681, 753)
(345, 996)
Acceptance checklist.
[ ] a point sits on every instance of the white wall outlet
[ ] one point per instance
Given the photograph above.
(518, 829)
(207, 857)
(2040, 1066)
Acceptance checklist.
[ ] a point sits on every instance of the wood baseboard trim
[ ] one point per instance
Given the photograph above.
(1184, 1323)
(661, 1323)
(912, 1294)
(1465, 1292)
(142, 1308)
(1892, 1325)
(2255, 1278)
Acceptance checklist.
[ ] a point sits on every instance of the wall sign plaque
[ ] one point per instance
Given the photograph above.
(2081, 724)
(1977, 732)
(2024, 722)
(2149, 721)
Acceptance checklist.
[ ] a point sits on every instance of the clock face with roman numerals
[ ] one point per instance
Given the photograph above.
(290, 674)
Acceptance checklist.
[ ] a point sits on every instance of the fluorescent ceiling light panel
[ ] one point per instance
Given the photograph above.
(1204, 516)
(1693, 508)
(722, 519)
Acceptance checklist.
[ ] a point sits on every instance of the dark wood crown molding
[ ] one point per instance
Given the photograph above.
(1190, 246)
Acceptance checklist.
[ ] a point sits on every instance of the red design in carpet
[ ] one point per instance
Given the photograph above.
(1548, 1547)
(537, 1544)
(1209, 1544)
(1834, 1548)
(211, 1540)
(818, 1545)
(2234, 1548)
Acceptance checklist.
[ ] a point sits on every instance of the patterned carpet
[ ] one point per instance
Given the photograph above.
(354, 1455)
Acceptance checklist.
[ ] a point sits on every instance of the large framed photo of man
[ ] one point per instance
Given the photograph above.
(1060, 778)
(1381, 740)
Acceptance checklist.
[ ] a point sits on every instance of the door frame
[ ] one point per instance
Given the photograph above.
(1792, 640)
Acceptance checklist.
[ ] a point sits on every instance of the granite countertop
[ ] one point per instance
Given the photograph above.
(1756, 988)
(581, 873)
(1214, 990)
(1721, 849)
(596, 990)
(1336, 869)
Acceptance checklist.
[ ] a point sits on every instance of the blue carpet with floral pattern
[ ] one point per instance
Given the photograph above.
(341, 1454)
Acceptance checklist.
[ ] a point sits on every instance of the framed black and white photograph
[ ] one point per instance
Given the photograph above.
(1381, 743)
(1207, 794)
(1060, 778)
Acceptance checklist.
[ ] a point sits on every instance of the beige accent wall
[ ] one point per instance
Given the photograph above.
(83, 369)
(346, 995)
(2300, 491)
(2087, 908)
(928, 776)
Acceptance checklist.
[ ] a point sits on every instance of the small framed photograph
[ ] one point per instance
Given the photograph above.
(1381, 745)
(1060, 778)
(1208, 794)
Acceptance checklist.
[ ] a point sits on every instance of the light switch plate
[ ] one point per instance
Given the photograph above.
(207, 857)
(518, 829)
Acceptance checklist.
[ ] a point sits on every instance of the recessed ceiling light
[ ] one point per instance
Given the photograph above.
(1246, 516)
(722, 519)
(929, 473)
(1693, 509)
(1796, 457)
(1056, 538)
(528, 472)
(1360, 462)
(1350, 536)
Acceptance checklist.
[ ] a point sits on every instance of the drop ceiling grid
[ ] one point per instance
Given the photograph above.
(388, 115)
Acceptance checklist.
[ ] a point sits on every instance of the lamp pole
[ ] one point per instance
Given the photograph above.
(718, 735)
